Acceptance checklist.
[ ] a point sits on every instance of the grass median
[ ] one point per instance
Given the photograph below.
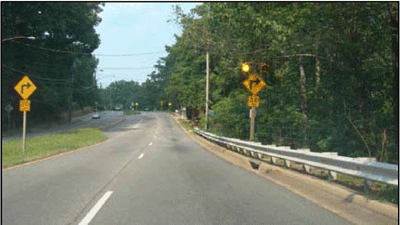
(48, 145)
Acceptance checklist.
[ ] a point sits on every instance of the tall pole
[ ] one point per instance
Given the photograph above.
(71, 94)
(207, 87)
(207, 72)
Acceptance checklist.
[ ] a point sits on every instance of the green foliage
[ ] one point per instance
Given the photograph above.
(330, 78)
(58, 60)
(330, 81)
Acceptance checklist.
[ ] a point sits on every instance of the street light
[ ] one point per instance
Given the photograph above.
(18, 37)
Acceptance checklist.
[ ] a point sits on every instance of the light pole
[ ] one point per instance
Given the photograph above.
(18, 37)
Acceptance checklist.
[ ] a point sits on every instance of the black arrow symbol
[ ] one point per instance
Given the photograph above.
(256, 82)
(25, 86)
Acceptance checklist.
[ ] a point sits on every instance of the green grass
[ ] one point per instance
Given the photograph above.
(131, 112)
(48, 145)
(185, 124)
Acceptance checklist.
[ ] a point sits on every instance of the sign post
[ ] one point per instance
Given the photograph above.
(254, 83)
(25, 87)
(253, 112)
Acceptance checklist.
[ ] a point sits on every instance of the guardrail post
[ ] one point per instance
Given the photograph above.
(367, 185)
(287, 163)
(333, 175)
(306, 168)
(259, 156)
(273, 160)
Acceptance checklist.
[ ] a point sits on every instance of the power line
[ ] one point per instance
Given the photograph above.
(36, 76)
(126, 68)
(90, 54)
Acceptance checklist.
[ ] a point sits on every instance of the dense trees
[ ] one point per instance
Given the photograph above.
(332, 82)
(58, 60)
(333, 66)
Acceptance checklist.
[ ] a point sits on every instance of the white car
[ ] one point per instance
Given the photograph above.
(96, 115)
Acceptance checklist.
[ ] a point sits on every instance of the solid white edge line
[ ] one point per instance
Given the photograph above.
(95, 208)
(141, 156)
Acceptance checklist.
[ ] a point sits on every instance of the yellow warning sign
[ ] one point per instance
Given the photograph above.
(24, 105)
(25, 87)
(254, 83)
(253, 101)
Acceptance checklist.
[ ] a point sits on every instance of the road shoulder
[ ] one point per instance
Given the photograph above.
(333, 197)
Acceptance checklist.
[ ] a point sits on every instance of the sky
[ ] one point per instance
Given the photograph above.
(139, 31)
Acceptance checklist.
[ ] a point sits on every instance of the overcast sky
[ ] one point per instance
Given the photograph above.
(134, 28)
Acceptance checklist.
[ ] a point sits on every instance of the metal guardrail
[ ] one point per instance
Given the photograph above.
(358, 167)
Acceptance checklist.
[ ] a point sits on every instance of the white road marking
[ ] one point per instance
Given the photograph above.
(151, 143)
(141, 156)
(95, 208)
(137, 125)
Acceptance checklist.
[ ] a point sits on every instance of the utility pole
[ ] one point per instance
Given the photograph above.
(207, 75)
(207, 87)
(71, 94)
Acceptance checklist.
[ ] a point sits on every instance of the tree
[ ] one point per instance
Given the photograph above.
(64, 33)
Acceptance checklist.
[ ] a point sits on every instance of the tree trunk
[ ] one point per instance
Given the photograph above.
(317, 72)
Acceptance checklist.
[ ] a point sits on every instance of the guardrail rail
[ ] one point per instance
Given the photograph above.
(366, 168)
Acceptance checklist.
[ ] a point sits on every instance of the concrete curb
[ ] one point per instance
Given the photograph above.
(342, 201)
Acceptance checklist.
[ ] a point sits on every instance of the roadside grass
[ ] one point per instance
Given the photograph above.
(131, 112)
(185, 124)
(48, 145)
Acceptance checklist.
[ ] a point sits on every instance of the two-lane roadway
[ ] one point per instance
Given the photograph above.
(149, 172)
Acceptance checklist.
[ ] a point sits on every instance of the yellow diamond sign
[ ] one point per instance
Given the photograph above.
(254, 83)
(25, 87)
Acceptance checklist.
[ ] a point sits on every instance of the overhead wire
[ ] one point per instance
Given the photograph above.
(35, 76)
(89, 54)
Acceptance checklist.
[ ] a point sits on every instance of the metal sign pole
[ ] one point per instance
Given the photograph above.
(252, 121)
(23, 133)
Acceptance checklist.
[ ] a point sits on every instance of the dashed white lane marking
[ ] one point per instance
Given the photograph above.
(95, 208)
(137, 125)
(151, 143)
(141, 156)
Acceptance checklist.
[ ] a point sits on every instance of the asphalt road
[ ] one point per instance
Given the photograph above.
(149, 172)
